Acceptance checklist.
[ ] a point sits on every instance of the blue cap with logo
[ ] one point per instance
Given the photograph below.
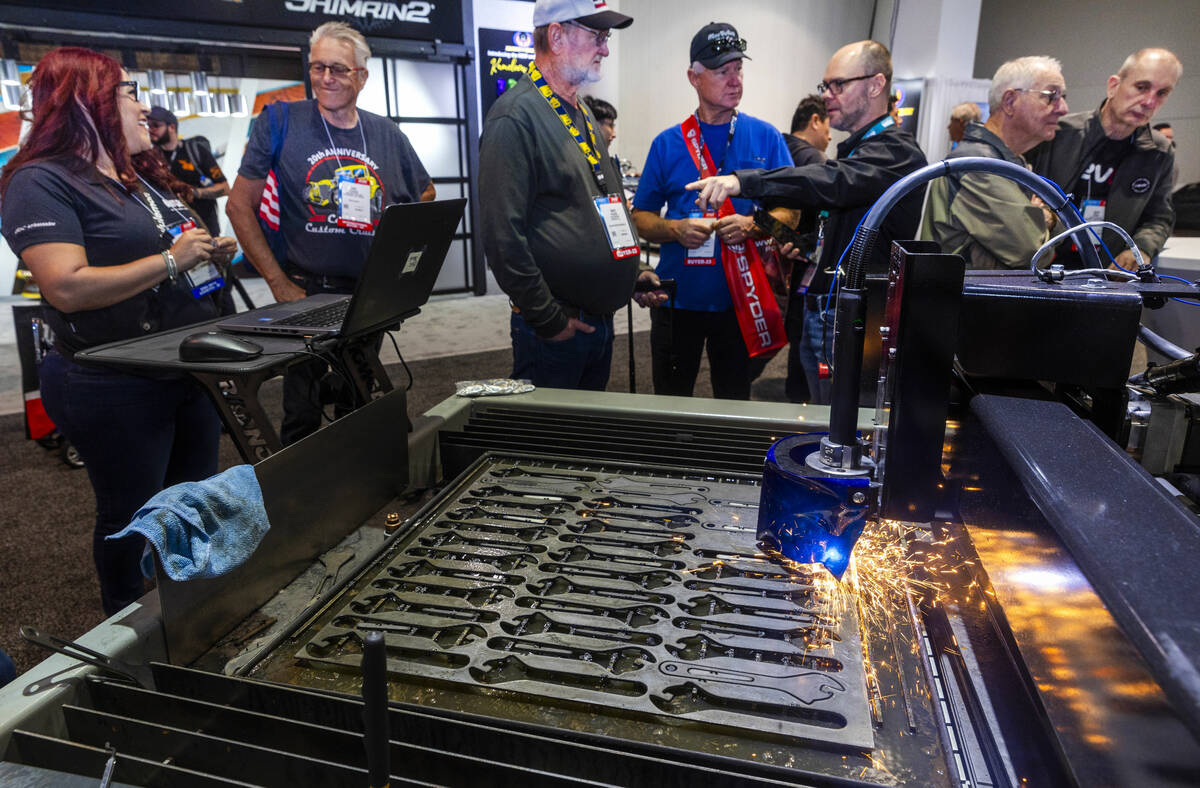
(716, 44)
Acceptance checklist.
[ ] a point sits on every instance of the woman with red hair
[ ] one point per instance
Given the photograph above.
(96, 217)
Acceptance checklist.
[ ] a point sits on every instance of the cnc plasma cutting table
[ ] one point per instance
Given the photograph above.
(583, 602)
(580, 596)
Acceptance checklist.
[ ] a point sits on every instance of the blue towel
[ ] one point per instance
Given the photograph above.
(202, 529)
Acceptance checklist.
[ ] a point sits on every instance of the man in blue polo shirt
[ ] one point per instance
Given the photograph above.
(693, 242)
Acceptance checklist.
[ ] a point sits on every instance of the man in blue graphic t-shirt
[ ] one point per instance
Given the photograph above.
(333, 170)
(693, 242)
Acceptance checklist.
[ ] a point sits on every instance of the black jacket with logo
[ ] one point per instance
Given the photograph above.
(1139, 198)
(847, 187)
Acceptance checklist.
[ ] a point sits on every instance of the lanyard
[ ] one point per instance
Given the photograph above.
(728, 144)
(151, 206)
(694, 140)
(885, 123)
(589, 151)
(333, 148)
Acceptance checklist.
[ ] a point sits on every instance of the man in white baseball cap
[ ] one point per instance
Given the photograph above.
(556, 226)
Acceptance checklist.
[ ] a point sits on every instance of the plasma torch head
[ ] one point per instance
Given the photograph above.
(807, 518)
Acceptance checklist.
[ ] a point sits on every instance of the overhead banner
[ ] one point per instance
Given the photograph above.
(423, 20)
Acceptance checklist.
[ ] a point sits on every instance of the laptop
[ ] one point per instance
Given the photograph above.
(397, 278)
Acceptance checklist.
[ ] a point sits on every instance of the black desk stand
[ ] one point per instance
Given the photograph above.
(233, 385)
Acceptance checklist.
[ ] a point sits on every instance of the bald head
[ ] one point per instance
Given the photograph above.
(1152, 57)
(1138, 90)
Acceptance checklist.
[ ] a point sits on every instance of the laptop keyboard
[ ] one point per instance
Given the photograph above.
(328, 316)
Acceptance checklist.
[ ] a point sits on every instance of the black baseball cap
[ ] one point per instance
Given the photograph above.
(163, 115)
(716, 44)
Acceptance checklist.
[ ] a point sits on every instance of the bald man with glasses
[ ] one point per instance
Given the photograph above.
(1113, 165)
(857, 83)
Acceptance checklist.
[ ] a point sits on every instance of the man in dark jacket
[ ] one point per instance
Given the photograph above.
(858, 81)
(1111, 163)
(988, 219)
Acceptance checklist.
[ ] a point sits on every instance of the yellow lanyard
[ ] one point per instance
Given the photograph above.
(589, 150)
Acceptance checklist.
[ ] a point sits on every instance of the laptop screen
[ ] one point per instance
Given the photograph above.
(406, 256)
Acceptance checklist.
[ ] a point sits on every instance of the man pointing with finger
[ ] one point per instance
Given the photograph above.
(877, 153)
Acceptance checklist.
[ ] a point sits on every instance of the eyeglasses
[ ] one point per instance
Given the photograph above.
(1050, 95)
(134, 89)
(836, 86)
(602, 36)
(318, 69)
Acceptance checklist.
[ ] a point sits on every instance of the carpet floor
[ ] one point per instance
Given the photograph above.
(47, 509)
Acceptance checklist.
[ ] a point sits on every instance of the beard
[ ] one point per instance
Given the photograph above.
(581, 76)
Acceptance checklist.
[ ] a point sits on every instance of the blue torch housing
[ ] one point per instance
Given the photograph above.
(806, 517)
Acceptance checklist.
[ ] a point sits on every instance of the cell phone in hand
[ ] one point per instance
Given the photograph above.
(777, 229)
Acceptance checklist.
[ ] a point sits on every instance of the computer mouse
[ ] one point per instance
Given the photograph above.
(217, 346)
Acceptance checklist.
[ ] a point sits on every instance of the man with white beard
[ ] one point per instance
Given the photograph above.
(556, 228)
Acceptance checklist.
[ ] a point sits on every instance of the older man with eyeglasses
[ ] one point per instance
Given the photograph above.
(989, 220)
(329, 169)
(556, 228)
(1111, 163)
(716, 310)
(857, 83)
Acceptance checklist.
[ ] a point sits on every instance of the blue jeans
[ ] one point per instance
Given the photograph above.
(581, 362)
(810, 354)
(137, 435)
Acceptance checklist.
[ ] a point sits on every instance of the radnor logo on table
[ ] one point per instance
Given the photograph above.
(413, 11)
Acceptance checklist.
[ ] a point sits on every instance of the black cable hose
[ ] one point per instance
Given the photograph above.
(843, 410)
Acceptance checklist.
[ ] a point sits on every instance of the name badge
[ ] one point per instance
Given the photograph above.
(705, 253)
(204, 278)
(617, 226)
(1093, 211)
(354, 203)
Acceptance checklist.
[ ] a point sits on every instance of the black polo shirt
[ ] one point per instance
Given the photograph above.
(67, 200)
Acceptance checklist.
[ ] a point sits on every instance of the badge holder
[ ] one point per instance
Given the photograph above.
(705, 253)
(1093, 211)
(354, 203)
(204, 278)
(617, 226)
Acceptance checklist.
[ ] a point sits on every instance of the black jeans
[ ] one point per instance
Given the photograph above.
(137, 435)
(679, 336)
